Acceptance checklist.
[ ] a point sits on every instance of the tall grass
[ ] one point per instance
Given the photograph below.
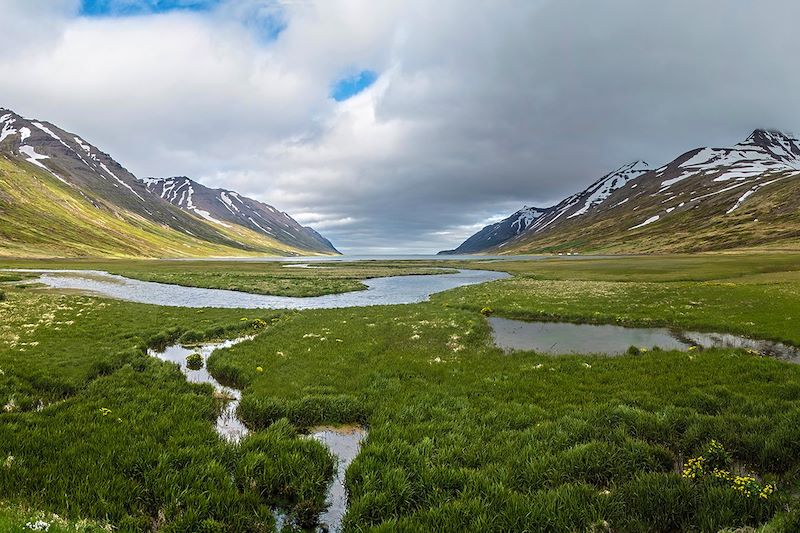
(123, 437)
(463, 437)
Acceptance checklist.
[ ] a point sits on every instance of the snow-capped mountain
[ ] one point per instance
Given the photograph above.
(707, 198)
(499, 232)
(110, 210)
(224, 207)
(535, 219)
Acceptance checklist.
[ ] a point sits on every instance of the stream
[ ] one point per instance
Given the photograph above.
(344, 443)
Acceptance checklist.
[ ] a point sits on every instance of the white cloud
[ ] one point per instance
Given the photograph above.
(480, 107)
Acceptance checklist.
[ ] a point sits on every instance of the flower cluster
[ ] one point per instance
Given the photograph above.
(695, 468)
(39, 525)
(715, 463)
(746, 485)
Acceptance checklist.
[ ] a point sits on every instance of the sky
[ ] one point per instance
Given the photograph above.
(396, 126)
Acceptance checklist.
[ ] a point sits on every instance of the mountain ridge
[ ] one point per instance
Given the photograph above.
(96, 192)
(223, 206)
(701, 187)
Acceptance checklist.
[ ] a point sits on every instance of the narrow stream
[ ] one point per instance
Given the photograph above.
(567, 338)
(228, 424)
(344, 443)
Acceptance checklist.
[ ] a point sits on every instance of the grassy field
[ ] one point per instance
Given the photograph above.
(462, 436)
(94, 428)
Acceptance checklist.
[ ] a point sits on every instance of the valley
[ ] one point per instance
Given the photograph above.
(462, 435)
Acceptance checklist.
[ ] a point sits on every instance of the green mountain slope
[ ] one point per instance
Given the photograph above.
(61, 196)
(41, 216)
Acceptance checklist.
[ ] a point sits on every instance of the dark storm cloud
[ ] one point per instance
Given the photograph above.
(479, 107)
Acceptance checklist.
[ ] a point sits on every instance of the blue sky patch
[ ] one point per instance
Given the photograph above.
(114, 8)
(349, 86)
(267, 21)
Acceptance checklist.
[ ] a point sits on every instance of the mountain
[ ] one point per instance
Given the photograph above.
(747, 195)
(62, 196)
(225, 207)
(535, 219)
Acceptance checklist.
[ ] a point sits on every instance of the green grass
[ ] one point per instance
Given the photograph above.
(123, 437)
(699, 267)
(462, 437)
(762, 305)
(20, 519)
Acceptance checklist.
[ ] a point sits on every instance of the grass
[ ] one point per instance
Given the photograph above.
(462, 437)
(17, 519)
(122, 437)
(760, 305)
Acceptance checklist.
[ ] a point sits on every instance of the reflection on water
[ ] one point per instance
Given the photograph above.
(228, 424)
(566, 338)
(344, 443)
(380, 291)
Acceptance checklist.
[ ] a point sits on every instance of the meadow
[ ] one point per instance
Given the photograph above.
(462, 436)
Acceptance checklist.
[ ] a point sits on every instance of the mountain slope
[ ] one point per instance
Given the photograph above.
(706, 199)
(222, 206)
(535, 219)
(60, 195)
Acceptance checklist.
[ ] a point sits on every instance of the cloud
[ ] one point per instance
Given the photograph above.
(477, 108)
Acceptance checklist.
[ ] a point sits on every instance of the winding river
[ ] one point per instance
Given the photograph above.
(380, 291)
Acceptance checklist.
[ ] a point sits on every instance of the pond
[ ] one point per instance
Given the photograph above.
(566, 338)
(380, 291)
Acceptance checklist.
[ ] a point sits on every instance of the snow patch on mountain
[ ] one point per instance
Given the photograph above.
(104, 167)
(763, 152)
(598, 192)
(525, 217)
(47, 131)
(8, 126)
(36, 159)
(650, 220)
